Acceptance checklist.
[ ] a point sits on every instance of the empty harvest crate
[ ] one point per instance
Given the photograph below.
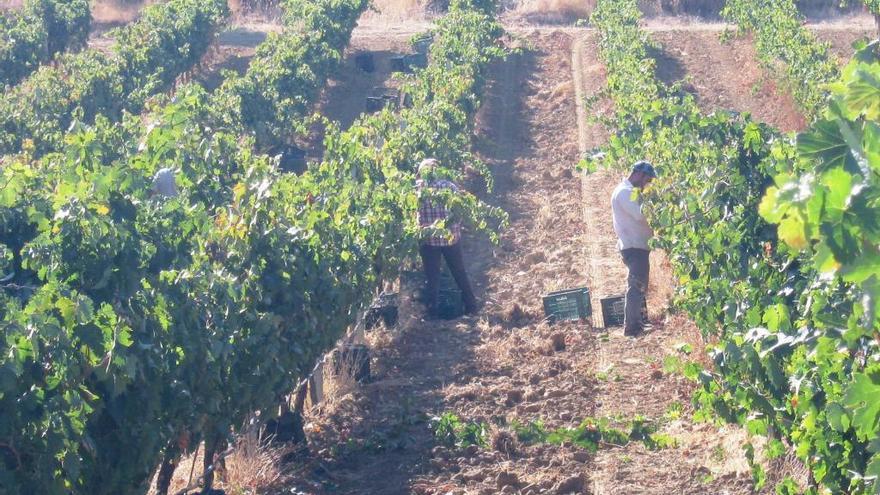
(613, 310)
(568, 305)
(384, 309)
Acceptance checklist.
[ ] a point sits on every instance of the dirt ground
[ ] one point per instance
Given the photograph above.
(841, 40)
(728, 76)
(725, 76)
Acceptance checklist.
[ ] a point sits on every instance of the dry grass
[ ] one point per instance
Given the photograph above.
(251, 468)
(116, 12)
(340, 381)
(397, 10)
(555, 11)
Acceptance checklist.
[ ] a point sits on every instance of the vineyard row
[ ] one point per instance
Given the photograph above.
(792, 308)
(39, 31)
(787, 49)
(146, 59)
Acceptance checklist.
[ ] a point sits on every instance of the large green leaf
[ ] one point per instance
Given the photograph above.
(837, 417)
(862, 97)
(793, 231)
(863, 400)
(773, 206)
(825, 145)
(840, 187)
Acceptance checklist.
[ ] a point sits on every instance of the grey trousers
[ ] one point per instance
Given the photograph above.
(637, 261)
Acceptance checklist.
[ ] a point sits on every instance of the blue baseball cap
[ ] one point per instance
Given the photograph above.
(645, 168)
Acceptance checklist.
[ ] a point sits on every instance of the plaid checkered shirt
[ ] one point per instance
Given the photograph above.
(430, 215)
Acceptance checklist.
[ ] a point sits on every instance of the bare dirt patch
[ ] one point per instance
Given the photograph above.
(233, 51)
(366, 72)
(842, 34)
(725, 76)
(551, 11)
(402, 10)
(109, 14)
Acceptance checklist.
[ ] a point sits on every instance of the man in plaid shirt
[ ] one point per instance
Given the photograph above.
(433, 215)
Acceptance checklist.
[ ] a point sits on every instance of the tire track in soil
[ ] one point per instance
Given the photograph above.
(707, 459)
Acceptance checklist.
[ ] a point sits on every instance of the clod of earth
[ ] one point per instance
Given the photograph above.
(535, 258)
(516, 317)
(514, 397)
(535, 394)
(504, 442)
(507, 479)
(574, 484)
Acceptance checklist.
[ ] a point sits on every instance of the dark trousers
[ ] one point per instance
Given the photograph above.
(637, 262)
(455, 261)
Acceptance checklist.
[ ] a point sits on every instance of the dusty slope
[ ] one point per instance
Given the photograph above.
(724, 76)
(841, 40)
(728, 76)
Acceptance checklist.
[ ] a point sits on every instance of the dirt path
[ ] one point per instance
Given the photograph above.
(502, 366)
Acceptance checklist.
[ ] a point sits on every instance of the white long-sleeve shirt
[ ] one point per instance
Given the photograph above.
(630, 225)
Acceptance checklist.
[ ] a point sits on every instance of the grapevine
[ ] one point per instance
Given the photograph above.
(146, 59)
(39, 31)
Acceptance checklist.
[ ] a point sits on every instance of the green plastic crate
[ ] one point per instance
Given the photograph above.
(613, 312)
(568, 305)
(449, 304)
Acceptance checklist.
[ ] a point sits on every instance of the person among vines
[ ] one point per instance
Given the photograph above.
(633, 234)
(165, 183)
(434, 219)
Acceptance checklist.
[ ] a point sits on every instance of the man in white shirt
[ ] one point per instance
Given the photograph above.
(633, 233)
(165, 183)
